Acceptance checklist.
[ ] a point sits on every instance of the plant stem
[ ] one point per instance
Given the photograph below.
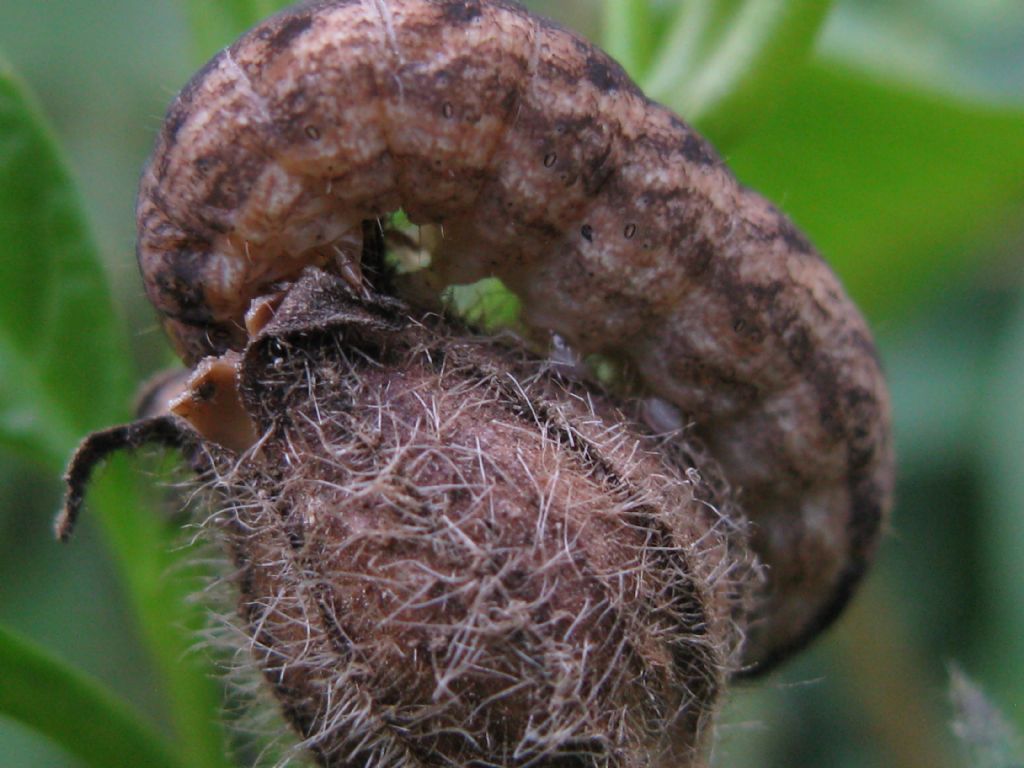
(693, 30)
(165, 616)
(215, 24)
(628, 34)
(724, 64)
(88, 721)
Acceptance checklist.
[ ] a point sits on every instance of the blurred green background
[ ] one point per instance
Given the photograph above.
(898, 146)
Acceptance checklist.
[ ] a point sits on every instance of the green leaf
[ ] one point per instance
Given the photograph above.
(629, 34)
(891, 183)
(161, 589)
(216, 23)
(92, 724)
(725, 64)
(65, 369)
(487, 304)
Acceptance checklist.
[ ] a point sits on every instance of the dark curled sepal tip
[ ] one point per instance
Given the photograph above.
(166, 431)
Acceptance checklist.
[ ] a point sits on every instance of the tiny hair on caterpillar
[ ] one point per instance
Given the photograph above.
(532, 157)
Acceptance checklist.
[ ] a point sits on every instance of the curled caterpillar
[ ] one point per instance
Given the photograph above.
(618, 227)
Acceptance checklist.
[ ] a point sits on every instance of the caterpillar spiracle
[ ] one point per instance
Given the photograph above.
(618, 227)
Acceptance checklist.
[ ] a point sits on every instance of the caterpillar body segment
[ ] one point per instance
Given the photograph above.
(615, 223)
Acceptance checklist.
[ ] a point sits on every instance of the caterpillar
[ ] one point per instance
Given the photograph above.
(618, 227)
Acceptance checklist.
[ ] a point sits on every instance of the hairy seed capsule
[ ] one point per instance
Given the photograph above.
(449, 556)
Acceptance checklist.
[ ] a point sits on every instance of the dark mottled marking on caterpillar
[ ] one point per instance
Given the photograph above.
(605, 73)
(616, 224)
(698, 151)
(461, 11)
(284, 35)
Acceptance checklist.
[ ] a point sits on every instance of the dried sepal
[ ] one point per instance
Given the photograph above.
(164, 430)
(448, 556)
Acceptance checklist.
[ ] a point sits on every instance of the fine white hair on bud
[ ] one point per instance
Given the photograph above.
(448, 556)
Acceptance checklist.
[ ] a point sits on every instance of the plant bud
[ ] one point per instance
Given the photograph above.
(447, 556)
